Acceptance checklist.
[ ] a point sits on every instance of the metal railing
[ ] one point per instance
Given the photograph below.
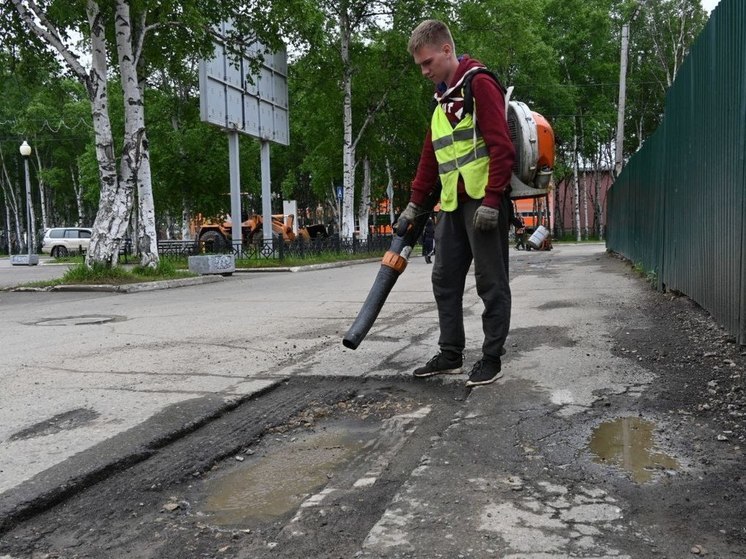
(276, 250)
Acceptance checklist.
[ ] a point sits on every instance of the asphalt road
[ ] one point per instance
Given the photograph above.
(146, 414)
(11, 276)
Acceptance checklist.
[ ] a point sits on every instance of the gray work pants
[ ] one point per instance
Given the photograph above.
(458, 244)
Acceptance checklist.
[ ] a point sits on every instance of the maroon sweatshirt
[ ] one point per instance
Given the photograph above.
(489, 103)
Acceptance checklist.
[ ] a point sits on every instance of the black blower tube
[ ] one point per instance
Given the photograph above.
(393, 264)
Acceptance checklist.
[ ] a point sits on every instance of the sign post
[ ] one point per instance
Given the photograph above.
(240, 102)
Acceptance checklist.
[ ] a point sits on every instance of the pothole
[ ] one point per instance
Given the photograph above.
(82, 320)
(271, 485)
(628, 443)
(61, 422)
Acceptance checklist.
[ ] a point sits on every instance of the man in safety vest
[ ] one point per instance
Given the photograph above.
(472, 155)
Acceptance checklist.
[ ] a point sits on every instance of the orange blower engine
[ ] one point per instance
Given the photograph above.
(533, 140)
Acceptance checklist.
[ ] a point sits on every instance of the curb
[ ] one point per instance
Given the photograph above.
(139, 287)
(185, 282)
(309, 267)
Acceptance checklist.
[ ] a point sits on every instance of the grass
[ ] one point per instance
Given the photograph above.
(100, 274)
(321, 258)
(650, 276)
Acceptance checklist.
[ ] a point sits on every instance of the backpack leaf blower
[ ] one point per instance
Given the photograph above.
(392, 265)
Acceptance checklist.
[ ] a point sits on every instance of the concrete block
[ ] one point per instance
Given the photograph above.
(212, 264)
(24, 260)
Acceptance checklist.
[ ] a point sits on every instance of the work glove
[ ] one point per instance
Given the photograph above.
(410, 213)
(486, 218)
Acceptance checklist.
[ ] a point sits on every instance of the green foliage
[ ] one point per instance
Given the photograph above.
(562, 56)
(660, 38)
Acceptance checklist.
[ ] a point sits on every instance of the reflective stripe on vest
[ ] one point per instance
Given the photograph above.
(460, 151)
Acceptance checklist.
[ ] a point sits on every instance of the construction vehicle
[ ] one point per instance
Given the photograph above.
(215, 236)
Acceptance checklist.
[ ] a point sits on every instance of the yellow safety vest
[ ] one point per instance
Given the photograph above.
(459, 151)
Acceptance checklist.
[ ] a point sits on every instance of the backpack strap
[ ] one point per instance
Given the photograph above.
(469, 96)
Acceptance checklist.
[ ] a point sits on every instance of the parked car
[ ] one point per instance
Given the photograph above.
(60, 241)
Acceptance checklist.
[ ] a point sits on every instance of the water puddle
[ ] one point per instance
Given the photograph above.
(628, 443)
(271, 484)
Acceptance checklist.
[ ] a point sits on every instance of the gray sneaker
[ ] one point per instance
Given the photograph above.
(484, 372)
(441, 364)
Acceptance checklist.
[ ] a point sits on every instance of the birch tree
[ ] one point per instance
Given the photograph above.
(11, 200)
(348, 21)
(135, 166)
(659, 42)
(116, 197)
(575, 183)
(669, 28)
(176, 28)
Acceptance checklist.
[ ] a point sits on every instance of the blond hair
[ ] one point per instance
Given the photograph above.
(430, 33)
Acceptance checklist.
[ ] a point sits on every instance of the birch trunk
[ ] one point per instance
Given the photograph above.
(115, 203)
(7, 226)
(186, 217)
(575, 186)
(333, 203)
(42, 194)
(78, 190)
(135, 154)
(584, 198)
(390, 190)
(559, 219)
(348, 148)
(363, 212)
(583, 186)
(31, 213)
(597, 201)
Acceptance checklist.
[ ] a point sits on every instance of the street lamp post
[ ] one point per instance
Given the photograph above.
(29, 259)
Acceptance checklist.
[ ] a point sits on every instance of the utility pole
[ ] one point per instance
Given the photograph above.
(619, 158)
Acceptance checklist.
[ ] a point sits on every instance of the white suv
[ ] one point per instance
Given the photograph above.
(60, 241)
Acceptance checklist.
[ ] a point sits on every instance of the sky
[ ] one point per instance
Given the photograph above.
(709, 5)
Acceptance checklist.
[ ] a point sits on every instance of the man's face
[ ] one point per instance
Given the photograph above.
(434, 62)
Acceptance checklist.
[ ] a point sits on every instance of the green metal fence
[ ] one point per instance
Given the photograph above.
(679, 207)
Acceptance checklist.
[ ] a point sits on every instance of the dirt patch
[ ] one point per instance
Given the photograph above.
(699, 366)
(698, 401)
